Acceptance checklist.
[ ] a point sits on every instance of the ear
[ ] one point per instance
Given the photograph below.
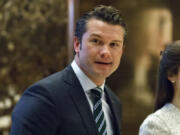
(172, 77)
(76, 44)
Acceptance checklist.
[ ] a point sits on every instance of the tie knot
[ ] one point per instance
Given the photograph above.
(97, 92)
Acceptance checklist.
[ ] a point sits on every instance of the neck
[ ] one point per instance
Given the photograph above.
(176, 99)
(99, 83)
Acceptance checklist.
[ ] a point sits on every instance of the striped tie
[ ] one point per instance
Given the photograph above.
(98, 112)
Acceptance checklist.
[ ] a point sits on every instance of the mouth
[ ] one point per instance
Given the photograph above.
(103, 63)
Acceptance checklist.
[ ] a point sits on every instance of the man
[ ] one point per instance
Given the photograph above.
(76, 101)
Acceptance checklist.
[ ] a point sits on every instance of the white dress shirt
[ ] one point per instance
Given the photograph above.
(87, 85)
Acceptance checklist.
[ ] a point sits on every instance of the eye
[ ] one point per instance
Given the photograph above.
(113, 44)
(116, 45)
(96, 41)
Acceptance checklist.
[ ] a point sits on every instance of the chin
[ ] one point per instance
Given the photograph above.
(104, 75)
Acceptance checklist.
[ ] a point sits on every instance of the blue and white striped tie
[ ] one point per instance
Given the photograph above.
(98, 111)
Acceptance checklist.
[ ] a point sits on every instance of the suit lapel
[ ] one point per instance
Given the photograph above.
(114, 109)
(79, 98)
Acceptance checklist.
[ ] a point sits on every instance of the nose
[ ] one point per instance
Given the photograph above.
(105, 51)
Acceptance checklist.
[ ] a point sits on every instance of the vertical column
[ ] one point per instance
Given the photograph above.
(72, 15)
(70, 32)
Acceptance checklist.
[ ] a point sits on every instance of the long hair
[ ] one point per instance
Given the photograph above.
(169, 63)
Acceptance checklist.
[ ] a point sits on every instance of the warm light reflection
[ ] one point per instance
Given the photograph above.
(154, 33)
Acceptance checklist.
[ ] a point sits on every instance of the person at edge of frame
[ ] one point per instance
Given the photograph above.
(166, 117)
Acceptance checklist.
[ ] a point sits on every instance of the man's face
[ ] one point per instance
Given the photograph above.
(101, 49)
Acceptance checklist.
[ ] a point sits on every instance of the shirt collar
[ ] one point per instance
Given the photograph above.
(85, 82)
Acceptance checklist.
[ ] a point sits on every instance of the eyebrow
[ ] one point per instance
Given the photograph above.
(118, 41)
(95, 35)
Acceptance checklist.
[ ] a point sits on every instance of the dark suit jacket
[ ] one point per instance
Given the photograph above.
(57, 105)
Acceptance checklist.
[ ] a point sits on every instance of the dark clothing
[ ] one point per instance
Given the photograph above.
(57, 105)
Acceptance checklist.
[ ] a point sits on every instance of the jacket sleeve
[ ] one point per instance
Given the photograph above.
(34, 114)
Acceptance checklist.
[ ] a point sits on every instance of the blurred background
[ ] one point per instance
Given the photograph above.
(36, 40)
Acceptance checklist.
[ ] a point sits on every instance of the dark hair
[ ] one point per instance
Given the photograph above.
(107, 14)
(169, 63)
